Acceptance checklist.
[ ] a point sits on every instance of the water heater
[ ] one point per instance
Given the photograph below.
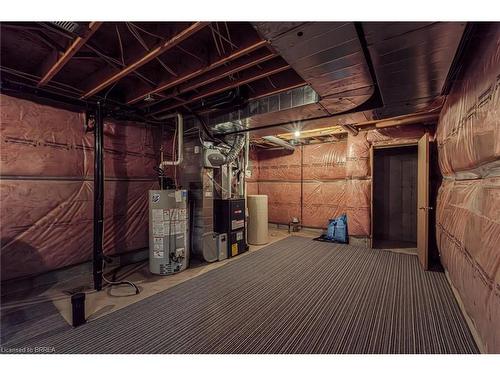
(168, 231)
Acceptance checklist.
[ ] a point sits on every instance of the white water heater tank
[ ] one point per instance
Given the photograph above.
(257, 220)
(168, 231)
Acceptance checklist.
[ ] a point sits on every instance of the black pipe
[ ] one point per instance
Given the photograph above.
(98, 197)
(301, 183)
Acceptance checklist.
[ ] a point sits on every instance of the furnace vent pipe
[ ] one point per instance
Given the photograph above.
(180, 141)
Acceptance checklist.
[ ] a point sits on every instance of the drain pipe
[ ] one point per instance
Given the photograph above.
(245, 162)
(180, 141)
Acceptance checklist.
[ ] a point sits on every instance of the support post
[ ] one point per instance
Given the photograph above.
(98, 196)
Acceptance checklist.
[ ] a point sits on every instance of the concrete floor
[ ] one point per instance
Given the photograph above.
(114, 298)
(110, 299)
(293, 296)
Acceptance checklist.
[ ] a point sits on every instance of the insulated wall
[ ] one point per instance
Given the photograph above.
(468, 220)
(308, 183)
(358, 168)
(46, 187)
(321, 181)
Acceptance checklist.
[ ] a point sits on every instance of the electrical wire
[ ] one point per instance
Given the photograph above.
(145, 46)
(107, 92)
(233, 46)
(146, 31)
(120, 43)
(190, 54)
(220, 38)
(61, 295)
(229, 36)
(123, 282)
(215, 40)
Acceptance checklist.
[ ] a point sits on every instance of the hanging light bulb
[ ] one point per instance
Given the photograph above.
(296, 133)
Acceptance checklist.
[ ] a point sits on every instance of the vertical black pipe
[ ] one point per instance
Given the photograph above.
(301, 183)
(98, 197)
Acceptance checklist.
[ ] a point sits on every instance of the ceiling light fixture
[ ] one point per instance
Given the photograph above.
(296, 133)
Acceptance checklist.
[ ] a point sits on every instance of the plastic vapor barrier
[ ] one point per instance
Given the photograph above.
(335, 178)
(253, 165)
(322, 201)
(358, 156)
(252, 188)
(280, 165)
(283, 198)
(398, 134)
(467, 217)
(358, 207)
(469, 126)
(47, 187)
(326, 161)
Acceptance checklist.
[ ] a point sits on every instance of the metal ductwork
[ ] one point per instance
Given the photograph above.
(72, 27)
(239, 143)
(327, 55)
(284, 101)
(279, 142)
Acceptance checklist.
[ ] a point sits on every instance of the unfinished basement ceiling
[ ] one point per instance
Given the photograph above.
(329, 56)
(358, 72)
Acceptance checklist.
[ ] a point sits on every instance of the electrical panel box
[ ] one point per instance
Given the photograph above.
(229, 218)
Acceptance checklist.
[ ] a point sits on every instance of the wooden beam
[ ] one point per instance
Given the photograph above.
(116, 64)
(224, 71)
(351, 129)
(430, 117)
(389, 122)
(404, 119)
(152, 54)
(331, 130)
(282, 66)
(176, 81)
(75, 46)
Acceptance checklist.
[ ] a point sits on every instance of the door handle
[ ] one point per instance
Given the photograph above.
(426, 208)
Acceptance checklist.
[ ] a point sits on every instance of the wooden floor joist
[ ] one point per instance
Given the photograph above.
(251, 78)
(77, 44)
(176, 81)
(140, 61)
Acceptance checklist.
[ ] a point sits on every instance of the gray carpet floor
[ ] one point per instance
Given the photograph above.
(294, 296)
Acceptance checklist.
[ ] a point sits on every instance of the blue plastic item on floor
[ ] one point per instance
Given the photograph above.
(337, 229)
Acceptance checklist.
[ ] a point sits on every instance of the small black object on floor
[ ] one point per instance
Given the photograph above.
(324, 238)
(78, 309)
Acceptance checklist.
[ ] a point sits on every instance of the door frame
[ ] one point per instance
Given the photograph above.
(372, 156)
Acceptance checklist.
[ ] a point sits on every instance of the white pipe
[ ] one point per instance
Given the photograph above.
(279, 142)
(245, 163)
(180, 141)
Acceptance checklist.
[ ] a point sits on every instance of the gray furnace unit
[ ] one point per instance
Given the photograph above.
(168, 231)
